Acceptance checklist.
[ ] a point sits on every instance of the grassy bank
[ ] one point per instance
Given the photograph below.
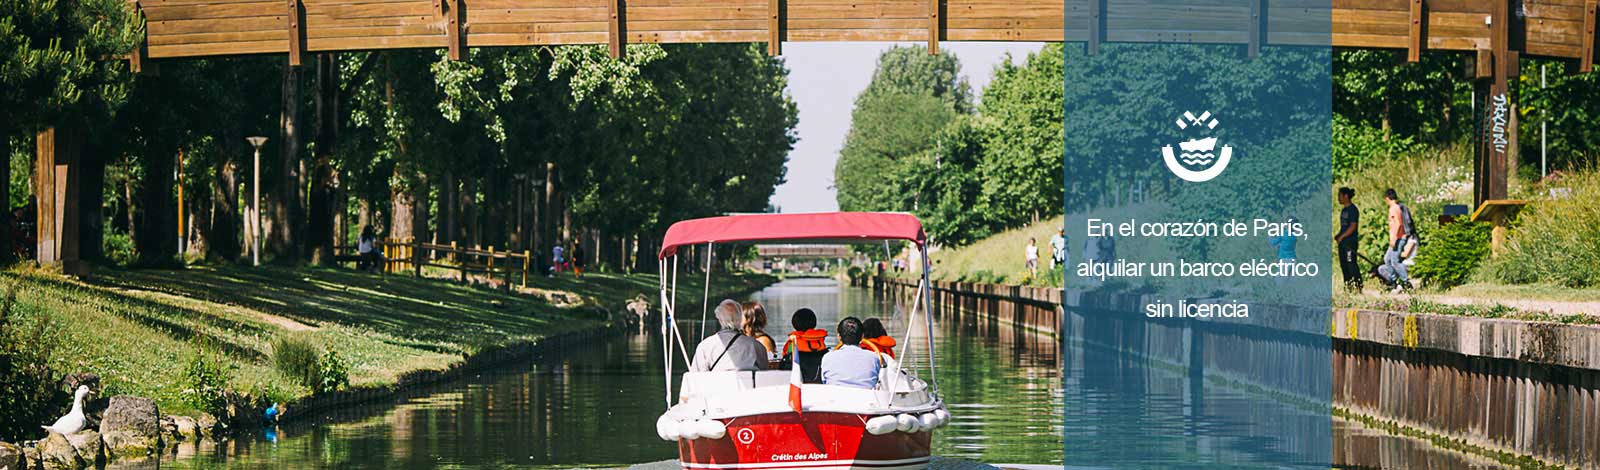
(142, 330)
(999, 258)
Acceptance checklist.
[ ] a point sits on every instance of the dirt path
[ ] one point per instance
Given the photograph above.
(1557, 307)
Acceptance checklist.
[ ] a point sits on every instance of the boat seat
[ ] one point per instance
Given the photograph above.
(698, 383)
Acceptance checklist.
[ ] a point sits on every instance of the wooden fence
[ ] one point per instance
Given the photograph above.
(407, 256)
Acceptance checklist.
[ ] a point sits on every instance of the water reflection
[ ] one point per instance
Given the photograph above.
(595, 405)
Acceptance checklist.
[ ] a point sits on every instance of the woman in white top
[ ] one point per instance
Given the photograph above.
(1032, 254)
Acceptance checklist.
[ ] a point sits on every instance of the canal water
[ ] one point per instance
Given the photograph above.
(596, 405)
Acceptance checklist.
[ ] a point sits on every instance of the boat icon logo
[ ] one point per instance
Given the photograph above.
(1197, 161)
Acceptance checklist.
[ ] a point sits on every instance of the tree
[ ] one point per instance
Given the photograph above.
(913, 94)
(52, 67)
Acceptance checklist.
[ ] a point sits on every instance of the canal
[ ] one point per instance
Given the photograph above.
(596, 406)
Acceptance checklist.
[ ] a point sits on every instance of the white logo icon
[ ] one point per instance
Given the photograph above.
(746, 436)
(1197, 153)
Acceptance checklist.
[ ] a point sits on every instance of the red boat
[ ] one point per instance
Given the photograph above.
(769, 419)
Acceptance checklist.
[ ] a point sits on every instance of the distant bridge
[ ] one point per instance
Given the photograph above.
(804, 251)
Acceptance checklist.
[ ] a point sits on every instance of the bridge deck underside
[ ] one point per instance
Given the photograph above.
(200, 28)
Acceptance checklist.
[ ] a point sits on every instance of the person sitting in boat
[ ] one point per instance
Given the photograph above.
(754, 326)
(728, 349)
(875, 338)
(851, 366)
(809, 342)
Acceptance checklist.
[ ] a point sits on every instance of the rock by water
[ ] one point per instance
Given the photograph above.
(132, 427)
(56, 452)
(91, 450)
(10, 457)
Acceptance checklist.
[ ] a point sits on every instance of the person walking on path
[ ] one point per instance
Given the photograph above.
(1058, 248)
(1348, 239)
(1402, 233)
(558, 258)
(1031, 256)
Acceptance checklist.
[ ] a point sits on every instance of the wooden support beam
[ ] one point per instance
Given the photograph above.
(1483, 64)
(618, 37)
(1418, 35)
(935, 15)
(1097, 23)
(455, 38)
(774, 27)
(48, 196)
(1258, 27)
(297, 34)
(139, 57)
(1586, 56)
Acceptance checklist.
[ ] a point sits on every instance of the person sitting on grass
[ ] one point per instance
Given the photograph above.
(851, 366)
(728, 349)
(367, 256)
(876, 339)
(807, 341)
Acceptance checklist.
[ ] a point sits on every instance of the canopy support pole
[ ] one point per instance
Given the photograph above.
(925, 291)
(705, 299)
(666, 341)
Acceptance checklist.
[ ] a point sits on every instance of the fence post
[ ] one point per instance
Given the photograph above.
(527, 260)
(416, 258)
(461, 266)
(488, 272)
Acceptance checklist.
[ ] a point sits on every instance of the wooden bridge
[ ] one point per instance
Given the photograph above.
(201, 28)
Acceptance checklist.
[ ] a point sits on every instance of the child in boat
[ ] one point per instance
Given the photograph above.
(807, 341)
(875, 338)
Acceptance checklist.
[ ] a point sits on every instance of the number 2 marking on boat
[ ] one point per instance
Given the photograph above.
(746, 436)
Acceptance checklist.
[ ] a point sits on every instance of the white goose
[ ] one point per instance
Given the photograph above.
(74, 420)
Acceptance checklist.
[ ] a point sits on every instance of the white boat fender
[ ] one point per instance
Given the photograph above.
(667, 428)
(906, 423)
(880, 425)
(711, 429)
(928, 421)
(689, 430)
(944, 416)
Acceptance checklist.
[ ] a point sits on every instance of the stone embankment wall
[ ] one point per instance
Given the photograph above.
(1519, 387)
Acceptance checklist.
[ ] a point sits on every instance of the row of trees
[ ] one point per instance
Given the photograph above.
(918, 143)
(517, 148)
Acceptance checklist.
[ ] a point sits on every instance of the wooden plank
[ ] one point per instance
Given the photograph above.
(682, 25)
(615, 40)
(1258, 13)
(455, 39)
(254, 23)
(774, 27)
(538, 39)
(242, 36)
(1418, 22)
(194, 12)
(537, 15)
(138, 60)
(525, 28)
(1097, 23)
(1483, 65)
(211, 49)
(685, 37)
(1586, 51)
(702, 13)
(297, 34)
(934, 18)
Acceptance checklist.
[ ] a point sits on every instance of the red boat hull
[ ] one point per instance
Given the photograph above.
(809, 441)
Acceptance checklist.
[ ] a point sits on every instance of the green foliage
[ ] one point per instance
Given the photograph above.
(1556, 241)
(52, 59)
(333, 373)
(27, 382)
(206, 376)
(1355, 146)
(1023, 110)
(119, 249)
(296, 357)
(913, 95)
(1453, 254)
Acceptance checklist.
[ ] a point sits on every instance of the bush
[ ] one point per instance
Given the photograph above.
(119, 249)
(333, 372)
(28, 394)
(1355, 146)
(1556, 241)
(1452, 254)
(207, 377)
(297, 358)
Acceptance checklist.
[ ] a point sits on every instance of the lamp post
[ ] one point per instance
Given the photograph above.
(255, 204)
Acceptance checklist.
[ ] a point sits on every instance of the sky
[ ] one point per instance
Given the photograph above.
(824, 79)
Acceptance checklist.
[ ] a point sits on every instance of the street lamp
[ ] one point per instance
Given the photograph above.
(255, 206)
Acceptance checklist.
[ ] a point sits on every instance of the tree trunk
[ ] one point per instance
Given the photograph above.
(127, 197)
(286, 212)
(320, 224)
(469, 212)
(223, 241)
(449, 203)
(156, 245)
(7, 245)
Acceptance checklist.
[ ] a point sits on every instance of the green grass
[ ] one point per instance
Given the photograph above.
(999, 258)
(137, 328)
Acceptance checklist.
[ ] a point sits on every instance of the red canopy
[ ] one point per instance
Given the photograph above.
(835, 227)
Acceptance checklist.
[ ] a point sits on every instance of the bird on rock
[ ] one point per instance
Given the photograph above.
(74, 420)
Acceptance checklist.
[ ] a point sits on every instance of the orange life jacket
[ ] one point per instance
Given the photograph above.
(811, 340)
(880, 345)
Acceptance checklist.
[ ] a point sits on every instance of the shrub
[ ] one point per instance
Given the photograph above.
(1452, 254)
(333, 372)
(1556, 241)
(1355, 146)
(207, 376)
(120, 249)
(27, 384)
(297, 358)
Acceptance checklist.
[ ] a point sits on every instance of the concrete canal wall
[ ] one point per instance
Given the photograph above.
(1530, 389)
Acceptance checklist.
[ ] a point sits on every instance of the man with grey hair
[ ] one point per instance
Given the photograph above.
(728, 349)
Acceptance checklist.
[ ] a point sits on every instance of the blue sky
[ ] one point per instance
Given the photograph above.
(824, 79)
